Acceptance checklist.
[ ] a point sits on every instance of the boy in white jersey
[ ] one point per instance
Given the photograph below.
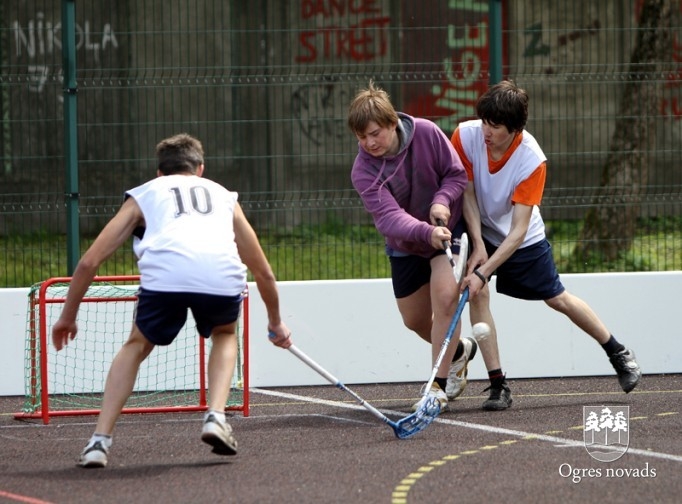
(506, 171)
(193, 244)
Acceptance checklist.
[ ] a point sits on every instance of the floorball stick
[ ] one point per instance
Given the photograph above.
(459, 266)
(457, 271)
(404, 428)
(448, 336)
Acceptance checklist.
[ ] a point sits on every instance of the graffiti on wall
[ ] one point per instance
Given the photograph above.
(343, 30)
(670, 105)
(41, 38)
(334, 31)
(465, 65)
(316, 108)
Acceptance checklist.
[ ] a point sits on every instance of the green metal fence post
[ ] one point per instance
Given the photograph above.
(495, 30)
(70, 133)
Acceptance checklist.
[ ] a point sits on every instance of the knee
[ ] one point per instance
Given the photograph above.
(482, 299)
(415, 324)
(139, 347)
(559, 303)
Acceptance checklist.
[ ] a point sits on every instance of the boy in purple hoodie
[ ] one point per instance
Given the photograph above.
(409, 177)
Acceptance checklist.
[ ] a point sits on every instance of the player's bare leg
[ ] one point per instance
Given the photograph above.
(221, 362)
(416, 310)
(479, 311)
(622, 359)
(117, 390)
(581, 315)
(121, 379)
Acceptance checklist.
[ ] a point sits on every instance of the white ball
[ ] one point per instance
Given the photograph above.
(481, 331)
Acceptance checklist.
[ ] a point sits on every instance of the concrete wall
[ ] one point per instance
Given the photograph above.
(352, 328)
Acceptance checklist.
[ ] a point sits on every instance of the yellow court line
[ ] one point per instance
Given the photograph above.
(402, 490)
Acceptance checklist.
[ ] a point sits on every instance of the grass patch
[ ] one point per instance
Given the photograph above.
(333, 251)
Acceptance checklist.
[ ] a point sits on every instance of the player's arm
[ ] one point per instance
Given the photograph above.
(519, 227)
(114, 234)
(526, 195)
(472, 216)
(254, 258)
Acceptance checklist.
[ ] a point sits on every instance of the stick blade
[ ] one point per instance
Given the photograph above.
(419, 420)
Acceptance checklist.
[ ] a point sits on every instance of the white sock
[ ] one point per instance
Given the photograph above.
(220, 415)
(105, 439)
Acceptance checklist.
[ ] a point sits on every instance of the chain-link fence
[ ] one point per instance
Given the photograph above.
(266, 85)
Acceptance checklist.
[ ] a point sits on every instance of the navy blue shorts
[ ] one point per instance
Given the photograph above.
(161, 315)
(410, 272)
(530, 273)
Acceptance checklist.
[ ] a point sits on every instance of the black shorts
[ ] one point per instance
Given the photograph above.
(161, 315)
(530, 273)
(410, 272)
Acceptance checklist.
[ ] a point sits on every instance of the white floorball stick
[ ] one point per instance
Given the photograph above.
(459, 266)
(403, 428)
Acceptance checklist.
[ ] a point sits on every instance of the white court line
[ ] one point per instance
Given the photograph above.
(485, 428)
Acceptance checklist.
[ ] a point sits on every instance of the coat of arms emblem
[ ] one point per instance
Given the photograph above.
(606, 431)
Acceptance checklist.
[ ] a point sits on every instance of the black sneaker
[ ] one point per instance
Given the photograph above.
(500, 398)
(627, 369)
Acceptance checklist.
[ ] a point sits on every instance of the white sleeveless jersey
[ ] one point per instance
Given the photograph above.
(496, 206)
(188, 243)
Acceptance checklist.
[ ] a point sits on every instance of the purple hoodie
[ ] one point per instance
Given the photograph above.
(399, 190)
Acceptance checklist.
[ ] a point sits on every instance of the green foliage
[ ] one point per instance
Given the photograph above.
(334, 251)
(657, 247)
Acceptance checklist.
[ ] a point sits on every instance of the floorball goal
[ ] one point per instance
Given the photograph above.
(70, 382)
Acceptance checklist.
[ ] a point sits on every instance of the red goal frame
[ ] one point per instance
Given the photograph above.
(37, 383)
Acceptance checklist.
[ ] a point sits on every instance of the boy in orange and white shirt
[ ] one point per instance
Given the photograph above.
(506, 170)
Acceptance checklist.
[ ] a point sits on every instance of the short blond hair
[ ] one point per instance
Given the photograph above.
(371, 104)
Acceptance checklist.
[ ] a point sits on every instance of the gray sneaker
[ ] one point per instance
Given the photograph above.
(94, 455)
(627, 369)
(457, 376)
(500, 398)
(219, 435)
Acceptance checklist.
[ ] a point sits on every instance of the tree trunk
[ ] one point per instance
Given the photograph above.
(610, 224)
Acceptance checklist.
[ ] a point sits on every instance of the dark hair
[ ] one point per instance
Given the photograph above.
(371, 104)
(179, 154)
(504, 103)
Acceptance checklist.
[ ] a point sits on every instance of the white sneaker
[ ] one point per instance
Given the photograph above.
(94, 455)
(457, 376)
(219, 435)
(435, 392)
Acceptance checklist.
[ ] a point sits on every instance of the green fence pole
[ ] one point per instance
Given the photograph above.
(70, 134)
(495, 30)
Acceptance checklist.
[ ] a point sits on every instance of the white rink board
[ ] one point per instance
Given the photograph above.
(353, 329)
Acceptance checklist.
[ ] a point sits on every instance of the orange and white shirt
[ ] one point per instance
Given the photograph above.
(518, 177)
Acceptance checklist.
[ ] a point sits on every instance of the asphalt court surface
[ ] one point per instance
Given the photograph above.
(317, 445)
